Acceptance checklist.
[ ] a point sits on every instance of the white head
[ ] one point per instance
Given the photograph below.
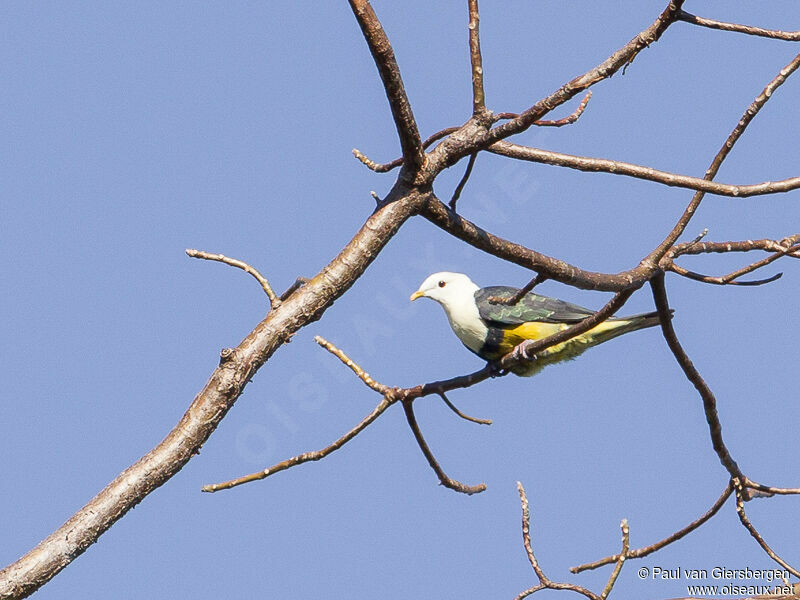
(448, 289)
(456, 293)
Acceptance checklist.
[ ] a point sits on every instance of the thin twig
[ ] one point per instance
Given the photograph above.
(385, 403)
(478, 94)
(771, 490)
(617, 167)
(350, 364)
(642, 552)
(568, 120)
(720, 157)
(463, 182)
(521, 293)
(273, 299)
(732, 277)
(766, 245)
(677, 269)
(443, 478)
(699, 237)
(466, 417)
(440, 215)
(756, 535)
(384, 167)
(693, 375)
(390, 396)
(574, 116)
(526, 534)
(298, 283)
(626, 544)
(544, 581)
(604, 70)
(388, 399)
(791, 36)
(408, 395)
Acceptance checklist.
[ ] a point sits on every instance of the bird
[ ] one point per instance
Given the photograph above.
(492, 329)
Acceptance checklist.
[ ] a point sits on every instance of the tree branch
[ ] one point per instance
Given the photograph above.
(397, 162)
(720, 157)
(544, 581)
(224, 387)
(383, 54)
(454, 408)
(615, 167)
(385, 403)
(568, 120)
(439, 214)
(642, 552)
(521, 293)
(693, 375)
(791, 36)
(463, 182)
(273, 299)
(452, 150)
(478, 94)
(754, 532)
(612, 579)
(446, 481)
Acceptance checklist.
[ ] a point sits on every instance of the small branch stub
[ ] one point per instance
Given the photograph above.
(273, 299)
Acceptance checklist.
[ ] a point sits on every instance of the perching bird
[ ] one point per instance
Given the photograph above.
(491, 330)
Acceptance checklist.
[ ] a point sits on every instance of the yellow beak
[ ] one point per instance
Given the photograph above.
(416, 295)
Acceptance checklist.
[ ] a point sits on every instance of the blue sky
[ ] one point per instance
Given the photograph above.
(131, 132)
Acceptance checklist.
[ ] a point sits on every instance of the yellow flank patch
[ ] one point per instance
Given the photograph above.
(537, 330)
(527, 331)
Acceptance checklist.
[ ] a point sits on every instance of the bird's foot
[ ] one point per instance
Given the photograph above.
(521, 352)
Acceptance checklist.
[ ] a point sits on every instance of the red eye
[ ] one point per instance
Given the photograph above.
(442, 283)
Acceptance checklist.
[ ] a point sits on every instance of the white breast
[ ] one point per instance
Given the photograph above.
(466, 322)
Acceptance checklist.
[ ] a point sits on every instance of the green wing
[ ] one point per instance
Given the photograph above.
(531, 307)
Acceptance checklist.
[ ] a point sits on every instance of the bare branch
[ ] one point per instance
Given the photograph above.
(642, 552)
(766, 245)
(223, 388)
(478, 94)
(615, 167)
(544, 581)
(452, 150)
(693, 375)
(374, 166)
(568, 120)
(791, 36)
(453, 407)
(720, 157)
(771, 490)
(298, 283)
(620, 560)
(463, 182)
(725, 280)
(385, 403)
(526, 534)
(384, 167)
(526, 351)
(383, 54)
(732, 278)
(439, 214)
(523, 291)
(754, 532)
(360, 373)
(443, 478)
(273, 299)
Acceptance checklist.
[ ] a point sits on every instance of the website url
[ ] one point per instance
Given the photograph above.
(738, 590)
